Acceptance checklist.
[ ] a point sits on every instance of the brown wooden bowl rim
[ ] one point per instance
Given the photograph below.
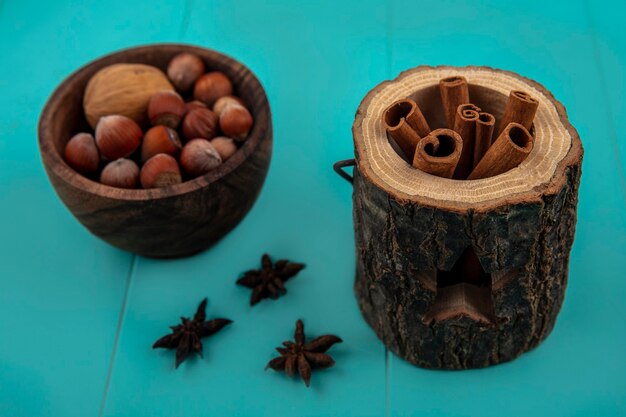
(54, 161)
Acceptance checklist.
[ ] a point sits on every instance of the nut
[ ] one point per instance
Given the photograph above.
(160, 171)
(160, 139)
(184, 69)
(123, 89)
(166, 108)
(212, 86)
(195, 104)
(226, 101)
(199, 157)
(81, 153)
(117, 137)
(236, 121)
(121, 173)
(226, 147)
(200, 123)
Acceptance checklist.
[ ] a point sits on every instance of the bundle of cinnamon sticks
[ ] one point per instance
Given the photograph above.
(466, 149)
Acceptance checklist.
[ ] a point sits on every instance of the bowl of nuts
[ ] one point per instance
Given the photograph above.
(159, 150)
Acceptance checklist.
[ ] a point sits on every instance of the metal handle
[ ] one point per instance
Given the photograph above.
(340, 165)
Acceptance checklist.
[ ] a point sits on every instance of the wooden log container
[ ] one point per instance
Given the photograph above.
(164, 222)
(458, 274)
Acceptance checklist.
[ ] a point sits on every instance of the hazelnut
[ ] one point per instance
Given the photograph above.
(226, 101)
(212, 86)
(160, 171)
(199, 157)
(81, 153)
(121, 173)
(236, 121)
(184, 69)
(166, 108)
(117, 136)
(226, 147)
(160, 139)
(195, 104)
(200, 123)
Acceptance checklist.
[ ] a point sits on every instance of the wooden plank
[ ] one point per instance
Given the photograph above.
(579, 368)
(61, 289)
(607, 35)
(316, 61)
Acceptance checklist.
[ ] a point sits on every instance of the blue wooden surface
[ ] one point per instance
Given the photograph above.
(77, 317)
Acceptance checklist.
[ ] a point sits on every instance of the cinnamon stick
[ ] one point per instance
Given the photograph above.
(405, 122)
(465, 125)
(484, 134)
(439, 153)
(454, 92)
(520, 108)
(508, 151)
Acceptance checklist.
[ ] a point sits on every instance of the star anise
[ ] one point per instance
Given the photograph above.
(186, 337)
(304, 356)
(268, 282)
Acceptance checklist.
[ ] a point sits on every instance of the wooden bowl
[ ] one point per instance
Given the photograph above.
(164, 222)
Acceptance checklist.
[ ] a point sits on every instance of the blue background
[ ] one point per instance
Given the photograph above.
(78, 317)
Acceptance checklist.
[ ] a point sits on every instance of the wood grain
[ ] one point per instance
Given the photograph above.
(521, 237)
(167, 222)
